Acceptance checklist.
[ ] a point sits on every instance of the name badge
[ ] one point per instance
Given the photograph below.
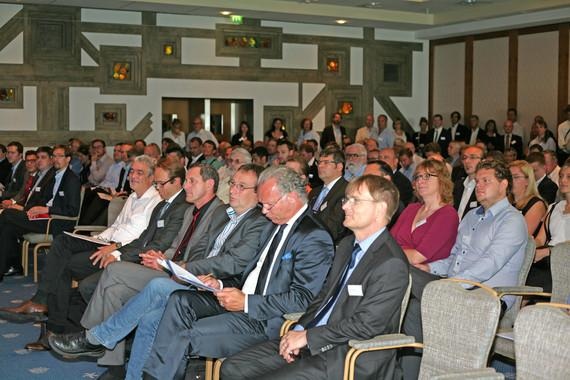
(38, 189)
(442, 138)
(473, 204)
(13, 179)
(355, 290)
(61, 194)
(160, 224)
(323, 206)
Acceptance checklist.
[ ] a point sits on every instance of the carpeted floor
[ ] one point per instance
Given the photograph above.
(17, 363)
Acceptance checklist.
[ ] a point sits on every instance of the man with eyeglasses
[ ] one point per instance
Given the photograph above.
(15, 180)
(489, 249)
(355, 161)
(238, 157)
(100, 162)
(361, 299)
(464, 198)
(324, 201)
(222, 244)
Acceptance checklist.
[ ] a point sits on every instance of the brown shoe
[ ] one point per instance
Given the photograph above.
(42, 343)
(28, 307)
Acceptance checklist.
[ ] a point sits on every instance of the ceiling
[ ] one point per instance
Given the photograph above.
(428, 18)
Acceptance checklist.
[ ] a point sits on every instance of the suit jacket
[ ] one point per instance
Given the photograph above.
(193, 243)
(516, 143)
(240, 246)
(458, 189)
(443, 139)
(382, 275)
(460, 133)
(5, 168)
(420, 140)
(66, 202)
(160, 232)
(314, 179)
(404, 187)
(481, 135)
(547, 190)
(41, 192)
(328, 135)
(15, 182)
(297, 276)
(331, 214)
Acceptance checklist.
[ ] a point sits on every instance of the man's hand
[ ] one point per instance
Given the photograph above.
(98, 255)
(291, 343)
(106, 260)
(37, 210)
(231, 299)
(6, 203)
(150, 259)
(209, 280)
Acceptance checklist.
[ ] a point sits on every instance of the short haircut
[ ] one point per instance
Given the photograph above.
(140, 140)
(307, 148)
(511, 150)
(423, 120)
(456, 113)
(437, 115)
(287, 181)
(30, 152)
(83, 149)
(536, 157)
(208, 172)
(148, 161)
(196, 139)
(18, 145)
(512, 109)
(98, 140)
(245, 155)
(474, 147)
(383, 167)
(252, 168)
(176, 123)
(45, 149)
(440, 170)
(360, 148)
(335, 152)
(2, 148)
(211, 143)
(176, 150)
(552, 155)
(302, 164)
(474, 117)
(405, 152)
(432, 147)
(65, 148)
(501, 171)
(172, 167)
(536, 147)
(260, 151)
(289, 144)
(380, 189)
(154, 146)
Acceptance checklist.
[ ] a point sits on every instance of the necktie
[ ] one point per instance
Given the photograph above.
(320, 199)
(264, 272)
(508, 141)
(184, 243)
(435, 135)
(120, 186)
(29, 186)
(331, 302)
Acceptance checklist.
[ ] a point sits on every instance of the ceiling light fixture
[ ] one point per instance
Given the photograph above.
(341, 21)
(225, 13)
(373, 4)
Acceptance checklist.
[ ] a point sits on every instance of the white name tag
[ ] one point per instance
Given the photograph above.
(355, 290)
(13, 179)
(323, 206)
(61, 194)
(442, 138)
(160, 223)
(473, 204)
(38, 189)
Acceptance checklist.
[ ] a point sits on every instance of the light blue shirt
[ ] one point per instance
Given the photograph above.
(386, 138)
(111, 180)
(58, 177)
(310, 135)
(358, 173)
(409, 172)
(489, 249)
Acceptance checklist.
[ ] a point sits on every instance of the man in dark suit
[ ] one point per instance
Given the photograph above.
(325, 201)
(475, 134)
(510, 140)
(458, 130)
(30, 164)
(4, 165)
(361, 299)
(334, 132)
(63, 193)
(546, 187)
(15, 179)
(403, 184)
(464, 198)
(439, 135)
(307, 151)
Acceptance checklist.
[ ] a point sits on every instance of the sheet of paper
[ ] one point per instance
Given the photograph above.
(184, 275)
(510, 335)
(87, 238)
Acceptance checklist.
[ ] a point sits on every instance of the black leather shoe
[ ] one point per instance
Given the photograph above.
(42, 343)
(13, 271)
(75, 345)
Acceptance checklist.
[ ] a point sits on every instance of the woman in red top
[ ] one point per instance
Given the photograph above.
(426, 230)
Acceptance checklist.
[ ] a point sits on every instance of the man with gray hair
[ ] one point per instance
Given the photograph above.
(292, 262)
(356, 156)
(238, 157)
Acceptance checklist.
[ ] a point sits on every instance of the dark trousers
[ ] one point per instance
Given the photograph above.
(13, 225)
(201, 327)
(94, 210)
(67, 259)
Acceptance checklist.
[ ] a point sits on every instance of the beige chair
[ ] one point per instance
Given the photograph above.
(541, 342)
(458, 326)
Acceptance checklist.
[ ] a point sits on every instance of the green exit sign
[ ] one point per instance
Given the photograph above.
(236, 19)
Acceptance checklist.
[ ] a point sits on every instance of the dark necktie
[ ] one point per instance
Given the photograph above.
(28, 186)
(264, 272)
(340, 285)
(187, 236)
(508, 141)
(121, 178)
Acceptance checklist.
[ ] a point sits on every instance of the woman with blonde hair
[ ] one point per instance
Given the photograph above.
(426, 230)
(525, 195)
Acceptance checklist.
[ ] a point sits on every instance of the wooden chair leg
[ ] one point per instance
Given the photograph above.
(36, 252)
(209, 367)
(25, 256)
(217, 369)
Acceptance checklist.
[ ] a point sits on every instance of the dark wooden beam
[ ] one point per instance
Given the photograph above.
(513, 68)
(468, 89)
(563, 49)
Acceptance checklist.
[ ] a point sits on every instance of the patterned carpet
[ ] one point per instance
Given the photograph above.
(17, 363)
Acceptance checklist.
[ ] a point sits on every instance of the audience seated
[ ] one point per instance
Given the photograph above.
(355, 155)
(100, 162)
(544, 137)
(407, 165)
(526, 197)
(464, 198)
(546, 187)
(404, 186)
(285, 150)
(373, 270)
(15, 180)
(551, 165)
(307, 151)
(426, 230)
(555, 229)
(238, 157)
(5, 166)
(175, 133)
(299, 166)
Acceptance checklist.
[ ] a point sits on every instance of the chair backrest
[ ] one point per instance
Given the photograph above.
(459, 326)
(560, 269)
(541, 343)
(508, 319)
(114, 209)
(81, 198)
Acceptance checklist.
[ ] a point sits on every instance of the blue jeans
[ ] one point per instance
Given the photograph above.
(143, 310)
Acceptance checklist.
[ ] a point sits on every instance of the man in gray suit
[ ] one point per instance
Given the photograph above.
(224, 245)
(361, 298)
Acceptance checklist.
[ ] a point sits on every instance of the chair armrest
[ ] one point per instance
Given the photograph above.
(521, 291)
(63, 217)
(89, 229)
(383, 341)
(471, 374)
(293, 316)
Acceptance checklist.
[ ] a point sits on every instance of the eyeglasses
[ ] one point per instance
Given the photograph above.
(324, 162)
(470, 157)
(353, 155)
(162, 183)
(425, 177)
(59, 156)
(240, 186)
(30, 160)
(268, 206)
(353, 200)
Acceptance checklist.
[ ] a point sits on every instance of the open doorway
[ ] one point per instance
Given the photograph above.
(221, 116)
